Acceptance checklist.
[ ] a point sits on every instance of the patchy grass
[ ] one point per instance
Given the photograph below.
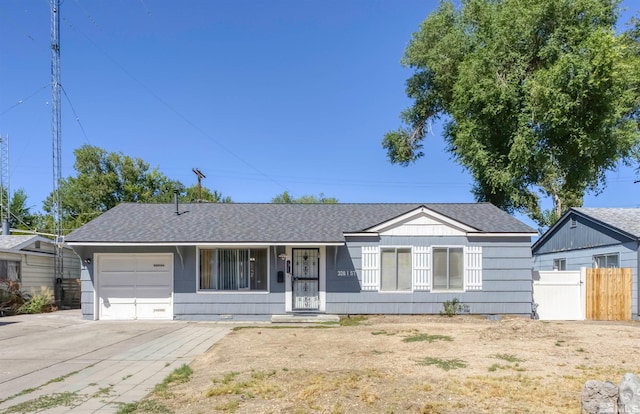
(508, 357)
(179, 375)
(146, 406)
(45, 402)
(421, 337)
(352, 320)
(366, 368)
(445, 364)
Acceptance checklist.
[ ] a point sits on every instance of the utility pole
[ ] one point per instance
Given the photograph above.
(56, 135)
(5, 192)
(200, 177)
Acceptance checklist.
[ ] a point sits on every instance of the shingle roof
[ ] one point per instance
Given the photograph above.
(238, 222)
(624, 219)
(15, 242)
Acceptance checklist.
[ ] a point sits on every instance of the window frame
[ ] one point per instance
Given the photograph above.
(395, 249)
(247, 290)
(4, 263)
(562, 264)
(606, 256)
(464, 269)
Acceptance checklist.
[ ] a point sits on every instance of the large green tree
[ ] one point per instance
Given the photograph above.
(105, 179)
(538, 97)
(286, 198)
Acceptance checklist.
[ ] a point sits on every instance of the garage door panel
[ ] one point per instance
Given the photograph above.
(115, 279)
(152, 279)
(114, 310)
(114, 264)
(151, 293)
(135, 286)
(154, 310)
(153, 264)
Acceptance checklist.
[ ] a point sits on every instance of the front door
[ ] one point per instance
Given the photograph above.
(306, 271)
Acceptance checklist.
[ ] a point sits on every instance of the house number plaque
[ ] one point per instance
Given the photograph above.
(347, 273)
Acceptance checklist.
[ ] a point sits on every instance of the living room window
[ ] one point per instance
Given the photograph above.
(421, 268)
(448, 268)
(395, 269)
(233, 269)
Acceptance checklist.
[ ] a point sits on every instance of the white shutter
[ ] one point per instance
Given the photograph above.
(370, 267)
(473, 267)
(421, 267)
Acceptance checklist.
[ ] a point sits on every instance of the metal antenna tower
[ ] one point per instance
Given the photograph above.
(5, 193)
(57, 142)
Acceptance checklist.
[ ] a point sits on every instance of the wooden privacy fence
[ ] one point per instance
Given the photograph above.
(608, 294)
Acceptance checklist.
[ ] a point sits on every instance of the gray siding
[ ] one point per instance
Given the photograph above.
(506, 279)
(187, 302)
(37, 269)
(506, 282)
(585, 234)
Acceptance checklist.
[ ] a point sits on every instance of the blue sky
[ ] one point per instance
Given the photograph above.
(261, 96)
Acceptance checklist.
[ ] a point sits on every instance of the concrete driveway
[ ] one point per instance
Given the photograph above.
(93, 366)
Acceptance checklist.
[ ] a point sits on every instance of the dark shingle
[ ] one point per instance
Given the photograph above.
(236, 222)
(625, 219)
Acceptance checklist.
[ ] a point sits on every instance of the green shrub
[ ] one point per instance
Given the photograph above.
(39, 303)
(451, 307)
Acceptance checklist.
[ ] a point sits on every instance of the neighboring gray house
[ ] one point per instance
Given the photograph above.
(592, 237)
(30, 260)
(213, 261)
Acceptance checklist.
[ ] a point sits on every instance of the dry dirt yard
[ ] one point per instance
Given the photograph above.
(406, 364)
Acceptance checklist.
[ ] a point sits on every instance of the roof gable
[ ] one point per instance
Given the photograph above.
(581, 228)
(422, 222)
(26, 243)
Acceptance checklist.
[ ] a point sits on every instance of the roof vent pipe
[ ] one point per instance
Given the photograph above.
(176, 194)
(5, 228)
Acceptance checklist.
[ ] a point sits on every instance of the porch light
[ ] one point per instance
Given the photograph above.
(282, 256)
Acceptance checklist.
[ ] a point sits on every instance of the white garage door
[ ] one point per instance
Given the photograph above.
(135, 286)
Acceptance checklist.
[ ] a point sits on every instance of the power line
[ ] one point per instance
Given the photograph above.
(169, 106)
(21, 101)
(75, 114)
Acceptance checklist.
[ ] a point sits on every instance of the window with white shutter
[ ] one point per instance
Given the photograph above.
(370, 267)
(421, 267)
(473, 267)
(438, 268)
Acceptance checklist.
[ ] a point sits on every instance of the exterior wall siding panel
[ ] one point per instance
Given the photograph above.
(576, 259)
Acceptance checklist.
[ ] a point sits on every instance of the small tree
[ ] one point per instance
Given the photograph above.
(286, 198)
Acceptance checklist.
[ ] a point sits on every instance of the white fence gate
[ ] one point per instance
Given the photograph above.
(560, 295)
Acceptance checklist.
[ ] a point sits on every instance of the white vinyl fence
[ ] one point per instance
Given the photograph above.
(560, 295)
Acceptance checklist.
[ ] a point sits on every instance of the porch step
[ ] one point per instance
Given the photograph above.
(304, 318)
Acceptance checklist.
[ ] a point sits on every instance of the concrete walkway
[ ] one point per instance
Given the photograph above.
(94, 366)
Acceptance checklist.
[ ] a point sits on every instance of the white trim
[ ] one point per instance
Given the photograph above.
(422, 211)
(480, 234)
(360, 234)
